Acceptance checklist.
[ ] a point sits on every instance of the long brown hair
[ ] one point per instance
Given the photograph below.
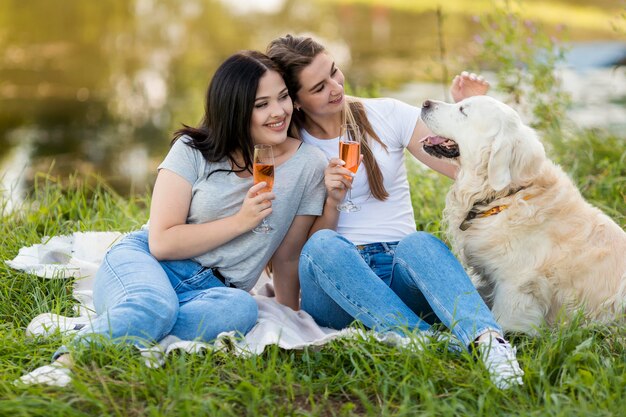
(293, 54)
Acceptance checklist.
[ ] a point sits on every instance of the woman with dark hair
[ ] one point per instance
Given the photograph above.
(376, 268)
(188, 274)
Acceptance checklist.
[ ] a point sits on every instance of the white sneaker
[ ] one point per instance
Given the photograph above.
(499, 359)
(47, 323)
(53, 375)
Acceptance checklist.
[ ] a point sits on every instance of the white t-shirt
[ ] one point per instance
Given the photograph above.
(392, 219)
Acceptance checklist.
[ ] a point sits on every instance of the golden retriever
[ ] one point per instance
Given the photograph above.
(534, 247)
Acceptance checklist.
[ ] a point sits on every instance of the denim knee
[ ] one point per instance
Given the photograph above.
(321, 240)
(325, 243)
(420, 244)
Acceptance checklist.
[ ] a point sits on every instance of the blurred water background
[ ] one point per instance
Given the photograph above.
(98, 86)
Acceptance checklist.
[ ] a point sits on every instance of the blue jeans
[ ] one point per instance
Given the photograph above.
(399, 286)
(142, 300)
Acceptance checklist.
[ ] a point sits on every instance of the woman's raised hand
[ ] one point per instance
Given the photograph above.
(256, 206)
(467, 85)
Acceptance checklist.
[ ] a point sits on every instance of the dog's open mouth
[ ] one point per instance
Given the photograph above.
(440, 147)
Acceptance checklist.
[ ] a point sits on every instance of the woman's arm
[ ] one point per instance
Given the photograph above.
(415, 147)
(329, 217)
(285, 262)
(171, 238)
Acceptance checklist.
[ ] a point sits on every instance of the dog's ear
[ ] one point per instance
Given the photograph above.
(498, 169)
(516, 156)
(528, 155)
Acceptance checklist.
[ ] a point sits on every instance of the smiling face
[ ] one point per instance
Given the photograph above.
(272, 110)
(321, 92)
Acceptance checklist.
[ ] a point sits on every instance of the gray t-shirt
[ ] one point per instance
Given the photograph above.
(299, 189)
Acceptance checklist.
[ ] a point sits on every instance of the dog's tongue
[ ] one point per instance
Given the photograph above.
(434, 140)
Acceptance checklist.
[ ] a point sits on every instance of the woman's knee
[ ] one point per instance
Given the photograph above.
(323, 249)
(130, 247)
(420, 244)
(322, 240)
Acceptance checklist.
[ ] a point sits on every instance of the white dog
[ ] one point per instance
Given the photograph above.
(532, 244)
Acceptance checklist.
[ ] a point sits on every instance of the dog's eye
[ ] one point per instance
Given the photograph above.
(462, 110)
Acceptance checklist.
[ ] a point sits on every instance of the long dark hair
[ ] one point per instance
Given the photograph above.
(293, 54)
(225, 127)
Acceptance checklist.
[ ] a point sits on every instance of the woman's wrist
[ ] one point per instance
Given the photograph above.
(238, 224)
(331, 202)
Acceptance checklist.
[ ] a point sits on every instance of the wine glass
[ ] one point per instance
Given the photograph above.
(349, 152)
(263, 170)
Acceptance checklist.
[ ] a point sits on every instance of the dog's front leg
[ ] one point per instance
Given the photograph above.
(521, 307)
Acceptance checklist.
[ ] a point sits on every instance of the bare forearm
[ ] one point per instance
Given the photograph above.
(185, 241)
(328, 219)
(439, 165)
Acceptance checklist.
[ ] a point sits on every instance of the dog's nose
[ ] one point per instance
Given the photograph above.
(426, 104)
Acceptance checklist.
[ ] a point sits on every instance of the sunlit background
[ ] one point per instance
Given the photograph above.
(98, 86)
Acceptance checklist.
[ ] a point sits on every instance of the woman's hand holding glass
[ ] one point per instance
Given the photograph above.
(263, 172)
(257, 205)
(337, 180)
(349, 151)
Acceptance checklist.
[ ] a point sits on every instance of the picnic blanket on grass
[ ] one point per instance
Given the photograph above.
(79, 255)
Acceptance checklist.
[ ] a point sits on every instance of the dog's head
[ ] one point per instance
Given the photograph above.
(481, 131)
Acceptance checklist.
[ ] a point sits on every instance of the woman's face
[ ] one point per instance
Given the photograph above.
(321, 91)
(272, 110)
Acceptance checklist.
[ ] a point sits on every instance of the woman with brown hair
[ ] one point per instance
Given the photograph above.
(188, 273)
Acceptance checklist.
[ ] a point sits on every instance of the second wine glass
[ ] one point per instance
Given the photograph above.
(263, 170)
(349, 152)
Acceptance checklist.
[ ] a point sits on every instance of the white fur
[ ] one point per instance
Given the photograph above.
(549, 252)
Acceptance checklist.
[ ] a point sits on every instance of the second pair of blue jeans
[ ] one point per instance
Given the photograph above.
(399, 286)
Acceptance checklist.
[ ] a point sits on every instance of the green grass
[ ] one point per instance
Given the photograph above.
(572, 370)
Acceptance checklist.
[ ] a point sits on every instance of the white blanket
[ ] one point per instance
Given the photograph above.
(79, 256)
